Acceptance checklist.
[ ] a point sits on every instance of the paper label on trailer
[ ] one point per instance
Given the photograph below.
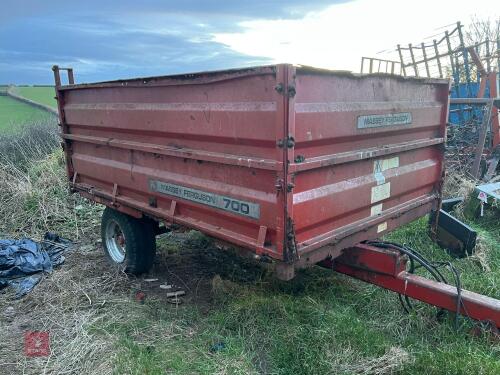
(382, 227)
(382, 165)
(381, 192)
(222, 202)
(375, 210)
(390, 119)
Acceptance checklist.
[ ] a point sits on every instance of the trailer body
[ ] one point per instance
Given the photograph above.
(292, 163)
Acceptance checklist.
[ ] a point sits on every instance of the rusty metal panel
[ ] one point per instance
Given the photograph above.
(197, 150)
(281, 160)
(367, 149)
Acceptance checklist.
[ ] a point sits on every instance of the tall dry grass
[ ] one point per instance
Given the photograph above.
(33, 141)
(34, 196)
(69, 303)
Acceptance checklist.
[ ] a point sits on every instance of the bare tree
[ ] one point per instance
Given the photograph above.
(484, 34)
(480, 30)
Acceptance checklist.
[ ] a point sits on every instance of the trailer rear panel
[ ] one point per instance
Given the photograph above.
(290, 162)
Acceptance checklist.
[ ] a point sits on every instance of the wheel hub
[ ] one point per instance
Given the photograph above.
(115, 242)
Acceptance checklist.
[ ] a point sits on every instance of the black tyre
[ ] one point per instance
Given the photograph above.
(129, 243)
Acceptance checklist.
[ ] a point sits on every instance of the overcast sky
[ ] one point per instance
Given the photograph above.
(105, 40)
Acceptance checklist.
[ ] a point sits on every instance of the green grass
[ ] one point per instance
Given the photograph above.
(14, 113)
(319, 323)
(43, 95)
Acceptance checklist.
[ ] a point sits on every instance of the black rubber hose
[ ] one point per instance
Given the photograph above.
(436, 274)
(413, 255)
(432, 267)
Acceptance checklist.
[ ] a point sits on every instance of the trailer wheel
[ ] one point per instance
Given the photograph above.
(129, 243)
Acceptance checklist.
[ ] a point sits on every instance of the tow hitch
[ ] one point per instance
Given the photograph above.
(385, 264)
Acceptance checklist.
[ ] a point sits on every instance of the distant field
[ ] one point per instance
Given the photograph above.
(14, 113)
(43, 95)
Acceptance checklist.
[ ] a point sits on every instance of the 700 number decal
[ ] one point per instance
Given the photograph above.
(225, 203)
(236, 206)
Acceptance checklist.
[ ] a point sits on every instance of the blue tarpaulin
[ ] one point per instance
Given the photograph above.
(23, 262)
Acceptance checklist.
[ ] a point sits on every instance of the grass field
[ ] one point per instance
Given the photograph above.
(14, 113)
(43, 95)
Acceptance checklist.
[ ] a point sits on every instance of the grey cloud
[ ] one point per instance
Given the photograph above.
(138, 38)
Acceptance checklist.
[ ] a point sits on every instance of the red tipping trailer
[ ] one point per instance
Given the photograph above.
(292, 163)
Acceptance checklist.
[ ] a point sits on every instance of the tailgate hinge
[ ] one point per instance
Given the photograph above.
(290, 91)
(291, 253)
(279, 184)
(289, 142)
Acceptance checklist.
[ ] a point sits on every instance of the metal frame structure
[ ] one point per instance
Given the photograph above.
(375, 65)
(467, 65)
(450, 52)
(489, 122)
(475, 78)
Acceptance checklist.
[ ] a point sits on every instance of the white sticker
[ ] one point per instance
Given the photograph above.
(375, 210)
(381, 192)
(382, 227)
